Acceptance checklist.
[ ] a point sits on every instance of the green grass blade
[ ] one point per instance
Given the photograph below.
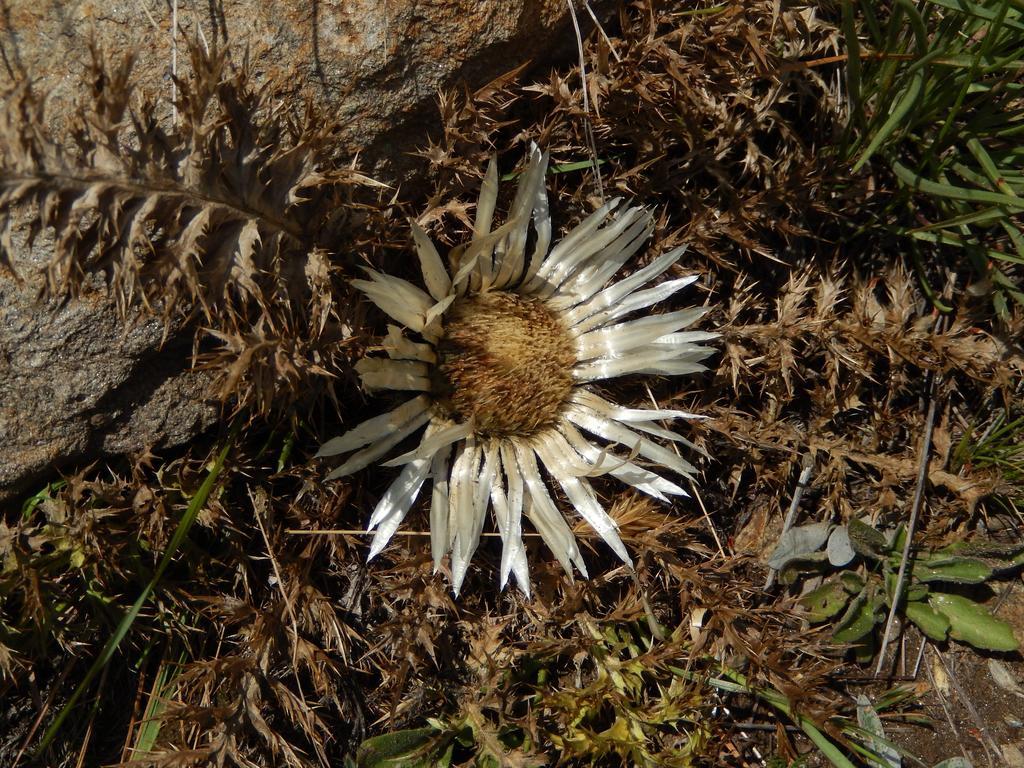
(180, 532)
(975, 66)
(983, 216)
(149, 728)
(910, 95)
(918, 182)
(948, 238)
(995, 176)
(735, 682)
(852, 64)
(828, 748)
(978, 11)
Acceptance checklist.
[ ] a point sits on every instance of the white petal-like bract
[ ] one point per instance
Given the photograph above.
(507, 324)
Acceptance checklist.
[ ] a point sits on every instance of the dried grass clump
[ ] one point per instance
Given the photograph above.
(267, 647)
(231, 218)
(244, 655)
(607, 671)
(706, 113)
(834, 371)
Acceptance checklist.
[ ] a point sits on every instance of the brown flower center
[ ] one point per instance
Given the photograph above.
(505, 363)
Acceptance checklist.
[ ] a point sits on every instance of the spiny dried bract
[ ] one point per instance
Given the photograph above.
(228, 212)
(511, 342)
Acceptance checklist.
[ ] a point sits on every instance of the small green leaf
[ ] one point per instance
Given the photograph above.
(868, 719)
(899, 540)
(816, 562)
(983, 549)
(397, 749)
(957, 570)
(866, 541)
(852, 582)
(825, 602)
(971, 623)
(934, 624)
(858, 620)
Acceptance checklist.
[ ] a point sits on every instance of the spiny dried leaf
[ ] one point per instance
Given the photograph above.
(232, 213)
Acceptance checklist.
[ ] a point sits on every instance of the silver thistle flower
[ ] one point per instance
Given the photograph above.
(506, 346)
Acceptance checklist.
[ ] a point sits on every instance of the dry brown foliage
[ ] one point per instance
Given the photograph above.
(229, 219)
(285, 649)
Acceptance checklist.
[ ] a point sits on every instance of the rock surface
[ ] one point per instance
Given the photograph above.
(76, 381)
(380, 63)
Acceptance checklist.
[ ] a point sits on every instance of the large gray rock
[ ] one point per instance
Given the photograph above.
(379, 63)
(77, 380)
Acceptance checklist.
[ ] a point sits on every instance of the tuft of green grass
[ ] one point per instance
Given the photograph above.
(999, 447)
(936, 95)
(100, 663)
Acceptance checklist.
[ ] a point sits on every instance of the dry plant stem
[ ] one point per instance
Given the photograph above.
(174, 63)
(44, 709)
(798, 492)
(1002, 598)
(597, 23)
(260, 506)
(920, 658)
(90, 728)
(987, 742)
(945, 706)
(137, 707)
(911, 526)
(361, 532)
(587, 127)
(707, 518)
(751, 726)
(149, 16)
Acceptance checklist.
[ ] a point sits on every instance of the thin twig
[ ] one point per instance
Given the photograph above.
(750, 726)
(920, 656)
(361, 532)
(259, 508)
(945, 707)
(174, 63)
(586, 4)
(44, 710)
(915, 508)
(987, 742)
(707, 517)
(1001, 599)
(588, 129)
(152, 21)
(693, 484)
(90, 728)
(798, 492)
